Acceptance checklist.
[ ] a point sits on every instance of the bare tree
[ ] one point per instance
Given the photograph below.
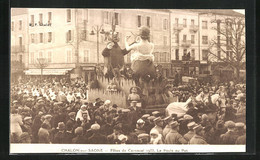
(41, 63)
(229, 45)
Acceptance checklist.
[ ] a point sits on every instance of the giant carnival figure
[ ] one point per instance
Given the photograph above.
(113, 57)
(142, 57)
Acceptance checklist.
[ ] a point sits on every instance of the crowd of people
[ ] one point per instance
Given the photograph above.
(58, 112)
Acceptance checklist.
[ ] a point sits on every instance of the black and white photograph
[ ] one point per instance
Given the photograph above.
(104, 80)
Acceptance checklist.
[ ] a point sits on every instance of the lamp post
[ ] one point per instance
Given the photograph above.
(42, 62)
(98, 29)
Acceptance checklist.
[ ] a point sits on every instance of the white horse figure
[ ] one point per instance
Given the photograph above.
(179, 108)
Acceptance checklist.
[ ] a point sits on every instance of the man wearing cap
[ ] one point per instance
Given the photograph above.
(79, 139)
(240, 128)
(143, 138)
(59, 136)
(198, 138)
(43, 134)
(242, 138)
(72, 120)
(113, 138)
(190, 133)
(47, 121)
(27, 125)
(96, 137)
(68, 134)
(183, 123)
(173, 137)
(230, 136)
(158, 122)
(167, 128)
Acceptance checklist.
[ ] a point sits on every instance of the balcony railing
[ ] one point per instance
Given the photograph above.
(186, 43)
(18, 49)
(177, 27)
(194, 28)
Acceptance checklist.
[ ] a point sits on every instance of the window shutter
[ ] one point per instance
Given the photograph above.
(66, 35)
(119, 18)
(110, 17)
(72, 35)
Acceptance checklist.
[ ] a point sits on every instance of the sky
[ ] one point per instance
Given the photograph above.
(242, 11)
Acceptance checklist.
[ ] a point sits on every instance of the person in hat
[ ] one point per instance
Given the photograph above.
(198, 138)
(15, 124)
(167, 128)
(183, 123)
(59, 136)
(155, 137)
(240, 128)
(142, 58)
(230, 136)
(143, 138)
(156, 113)
(43, 134)
(133, 96)
(79, 139)
(190, 133)
(139, 128)
(47, 120)
(158, 122)
(27, 125)
(174, 137)
(242, 138)
(72, 116)
(122, 139)
(69, 133)
(36, 124)
(96, 137)
(83, 110)
(113, 138)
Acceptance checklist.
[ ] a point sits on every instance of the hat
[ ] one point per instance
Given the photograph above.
(167, 118)
(158, 119)
(107, 102)
(140, 121)
(26, 109)
(230, 124)
(240, 125)
(41, 100)
(198, 128)
(125, 110)
(27, 118)
(145, 116)
(83, 106)
(151, 118)
(155, 113)
(204, 117)
(191, 125)
(143, 135)
(122, 137)
(174, 124)
(61, 125)
(29, 99)
(154, 131)
(15, 101)
(72, 114)
(78, 130)
(187, 117)
(47, 116)
(95, 127)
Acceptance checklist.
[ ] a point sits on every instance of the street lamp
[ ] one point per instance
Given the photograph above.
(98, 29)
(43, 63)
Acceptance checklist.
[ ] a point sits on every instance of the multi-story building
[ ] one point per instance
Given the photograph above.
(74, 38)
(193, 32)
(19, 42)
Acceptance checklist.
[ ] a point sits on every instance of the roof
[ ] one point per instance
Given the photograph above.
(228, 12)
(18, 11)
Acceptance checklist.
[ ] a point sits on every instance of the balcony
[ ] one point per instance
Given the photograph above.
(186, 43)
(194, 28)
(18, 48)
(177, 27)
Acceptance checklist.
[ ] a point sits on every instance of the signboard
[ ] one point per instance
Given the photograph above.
(47, 71)
(88, 68)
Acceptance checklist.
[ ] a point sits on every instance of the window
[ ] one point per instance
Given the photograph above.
(139, 21)
(164, 40)
(165, 24)
(32, 20)
(32, 38)
(20, 24)
(177, 21)
(49, 56)
(69, 56)
(204, 25)
(106, 17)
(41, 37)
(184, 38)
(177, 54)
(12, 26)
(162, 57)
(193, 54)
(49, 36)
(192, 39)
(69, 36)
(219, 54)
(49, 17)
(177, 38)
(204, 39)
(116, 18)
(148, 21)
(86, 56)
(184, 22)
(20, 41)
(32, 57)
(204, 55)
(40, 19)
(68, 15)
(192, 22)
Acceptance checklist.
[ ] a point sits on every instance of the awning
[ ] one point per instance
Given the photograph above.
(47, 71)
